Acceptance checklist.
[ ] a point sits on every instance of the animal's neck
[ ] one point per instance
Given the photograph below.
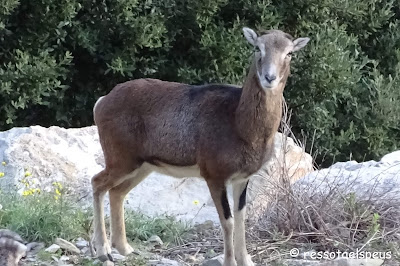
(259, 111)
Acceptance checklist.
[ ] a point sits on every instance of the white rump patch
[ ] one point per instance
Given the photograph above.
(97, 102)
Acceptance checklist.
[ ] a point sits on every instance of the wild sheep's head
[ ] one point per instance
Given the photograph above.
(274, 50)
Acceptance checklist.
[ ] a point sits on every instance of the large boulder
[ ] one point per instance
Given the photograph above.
(370, 180)
(43, 156)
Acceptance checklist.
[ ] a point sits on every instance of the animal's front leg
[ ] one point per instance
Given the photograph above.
(239, 198)
(219, 196)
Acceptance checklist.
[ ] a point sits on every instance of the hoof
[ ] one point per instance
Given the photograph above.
(125, 249)
(106, 257)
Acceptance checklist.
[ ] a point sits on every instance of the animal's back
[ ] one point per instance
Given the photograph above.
(166, 121)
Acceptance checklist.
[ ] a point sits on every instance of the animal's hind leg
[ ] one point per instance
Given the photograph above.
(100, 242)
(117, 196)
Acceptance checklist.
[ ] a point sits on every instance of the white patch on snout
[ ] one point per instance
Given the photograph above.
(265, 84)
(272, 71)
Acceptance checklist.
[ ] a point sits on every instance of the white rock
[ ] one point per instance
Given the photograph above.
(371, 180)
(155, 240)
(74, 156)
(81, 243)
(53, 248)
(67, 246)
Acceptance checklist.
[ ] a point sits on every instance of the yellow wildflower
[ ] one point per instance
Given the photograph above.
(3, 163)
(27, 173)
(1, 174)
(57, 184)
(58, 192)
(196, 202)
(56, 197)
(27, 193)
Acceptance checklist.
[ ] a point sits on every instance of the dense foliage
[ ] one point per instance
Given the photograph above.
(58, 56)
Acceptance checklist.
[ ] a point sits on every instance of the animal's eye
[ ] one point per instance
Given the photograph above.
(257, 49)
(289, 54)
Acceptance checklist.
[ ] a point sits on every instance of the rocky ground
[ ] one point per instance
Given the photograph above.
(200, 246)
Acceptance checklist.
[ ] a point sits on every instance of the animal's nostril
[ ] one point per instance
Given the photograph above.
(270, 78)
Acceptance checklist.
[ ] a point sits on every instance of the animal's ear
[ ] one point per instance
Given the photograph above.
(300, 43)
(250, 35)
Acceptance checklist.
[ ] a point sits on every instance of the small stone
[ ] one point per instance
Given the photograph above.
(74, 259)
(64, 258)
(86, 251)
(53, 248)
(81, 243)
(34, 247)
(216, 261)
(118, 257)
(155, 240)
(108, 263)
(67, 246)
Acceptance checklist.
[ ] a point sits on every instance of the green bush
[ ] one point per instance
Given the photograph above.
(39, 217)
(58, 57)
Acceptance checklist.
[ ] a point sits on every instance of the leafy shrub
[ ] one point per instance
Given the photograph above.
(58, 57)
